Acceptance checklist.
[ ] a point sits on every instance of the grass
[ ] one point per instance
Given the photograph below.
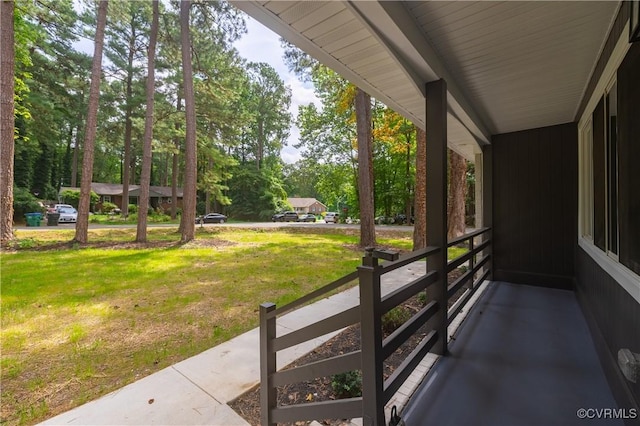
(79, 322)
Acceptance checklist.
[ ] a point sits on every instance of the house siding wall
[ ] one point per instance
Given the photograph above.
(614, 319)
(535, 190)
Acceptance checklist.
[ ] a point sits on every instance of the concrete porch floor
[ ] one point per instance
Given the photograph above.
(524, 356)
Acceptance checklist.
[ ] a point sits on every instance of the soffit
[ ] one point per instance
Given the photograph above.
(508, 65)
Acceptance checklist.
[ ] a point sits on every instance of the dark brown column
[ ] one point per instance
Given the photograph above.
(437, 202)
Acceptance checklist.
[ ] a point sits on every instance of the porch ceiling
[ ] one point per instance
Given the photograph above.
(508, 65)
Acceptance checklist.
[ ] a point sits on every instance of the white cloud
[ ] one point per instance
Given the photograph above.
(262, 45)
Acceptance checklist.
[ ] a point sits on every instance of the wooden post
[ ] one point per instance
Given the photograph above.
(268, 394)
(487, 202)
(371, 341)
(436, 94)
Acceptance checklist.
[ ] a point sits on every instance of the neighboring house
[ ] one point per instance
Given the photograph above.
(307, 205)
(159, 196)
(544, 98)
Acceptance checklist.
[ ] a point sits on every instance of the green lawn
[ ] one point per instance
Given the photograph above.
(78, 322)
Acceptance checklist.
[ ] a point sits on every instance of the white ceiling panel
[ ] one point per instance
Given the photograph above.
(509, 65)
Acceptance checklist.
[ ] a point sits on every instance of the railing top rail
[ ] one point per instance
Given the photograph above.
(409, 258)
(314, 294)
(467, 236)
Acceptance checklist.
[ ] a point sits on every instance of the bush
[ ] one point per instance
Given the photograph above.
(108, 207)
(395, 318)
(72, 196)
(133, 208)
(347, 385)
(25, 202)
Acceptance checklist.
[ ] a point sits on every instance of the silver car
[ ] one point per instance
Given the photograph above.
(67, 215)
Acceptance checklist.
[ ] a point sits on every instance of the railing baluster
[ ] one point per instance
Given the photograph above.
(371, 341)
(472, 261)
(268, 394)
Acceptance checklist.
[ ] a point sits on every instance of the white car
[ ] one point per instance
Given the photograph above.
(331, 217)
(67, 215)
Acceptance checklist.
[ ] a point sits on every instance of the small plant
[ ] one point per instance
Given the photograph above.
(347, 385)
(24, 243)
(395, 318)
(422, 298)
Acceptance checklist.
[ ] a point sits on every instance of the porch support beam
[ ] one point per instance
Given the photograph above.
(487, 200)
(436, 107)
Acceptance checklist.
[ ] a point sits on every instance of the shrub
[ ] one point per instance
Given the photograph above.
(72, 196)
(395, 318)
(133, 208)
(347, 385)
(24, 202)
(108, 207)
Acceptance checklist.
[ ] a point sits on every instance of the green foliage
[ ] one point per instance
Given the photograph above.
(347, 385)
(72, 196)
(133, 208)
(395, 318)
(24, 202)
(108, 207)
(255, 193)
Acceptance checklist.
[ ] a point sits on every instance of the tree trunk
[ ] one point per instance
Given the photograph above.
(82, 225)
(457, 194)
(187, 223)
(420, 192)
(128, 127)
(145, 176)
(174, 168)
(365, 169)
(7, 120)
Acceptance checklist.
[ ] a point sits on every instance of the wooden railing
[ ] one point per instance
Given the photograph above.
(374, 350)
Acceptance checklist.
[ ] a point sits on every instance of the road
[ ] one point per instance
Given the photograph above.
(232, 224)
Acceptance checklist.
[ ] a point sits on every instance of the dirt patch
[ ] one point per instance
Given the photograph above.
(320, 389)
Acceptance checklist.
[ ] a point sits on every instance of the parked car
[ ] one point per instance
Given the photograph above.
(212, 218)
(67, 215)
(401, 219)
(331, 217)
(289, 217)
(307, 218)
(384, 220)
(277, 217)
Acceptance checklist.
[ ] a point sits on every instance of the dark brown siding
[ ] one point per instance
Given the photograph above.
(614, 317)
(535, 206)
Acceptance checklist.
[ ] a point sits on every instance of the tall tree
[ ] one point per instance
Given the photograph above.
(187, 223)
(145, 177)
(7, 120)
(420, 200)
(82, 225)
(457, 195)
(365, 169)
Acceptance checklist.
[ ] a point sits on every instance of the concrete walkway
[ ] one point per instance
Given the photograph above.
(196, 391)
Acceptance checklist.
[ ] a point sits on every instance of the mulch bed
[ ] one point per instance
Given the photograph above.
(320, 389)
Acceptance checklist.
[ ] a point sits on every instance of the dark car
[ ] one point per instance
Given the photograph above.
(285, 217)
(212, 218)
(307, 218)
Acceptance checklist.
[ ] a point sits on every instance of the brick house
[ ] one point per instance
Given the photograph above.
(307, 205)
(160, 196)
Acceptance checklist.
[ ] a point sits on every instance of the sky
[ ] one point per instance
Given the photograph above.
(262, 45)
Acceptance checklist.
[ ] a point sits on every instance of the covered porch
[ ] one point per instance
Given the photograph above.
(543, 97)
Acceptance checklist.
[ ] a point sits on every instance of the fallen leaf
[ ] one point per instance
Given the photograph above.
(309, 397)
(151, 401)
